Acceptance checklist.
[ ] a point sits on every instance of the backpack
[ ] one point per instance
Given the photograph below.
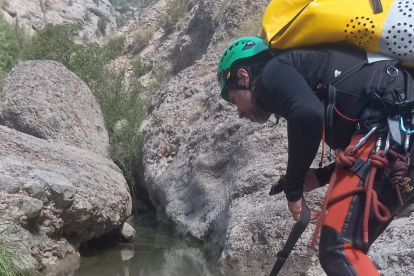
(377, 26)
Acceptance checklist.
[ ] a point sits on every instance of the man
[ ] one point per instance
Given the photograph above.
(302, 85)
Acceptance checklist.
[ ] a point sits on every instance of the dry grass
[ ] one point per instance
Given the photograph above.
(174, 16)
(249, 27)
(141, 39)
(218, 15)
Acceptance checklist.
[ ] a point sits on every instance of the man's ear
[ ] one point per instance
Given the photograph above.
(243, 76)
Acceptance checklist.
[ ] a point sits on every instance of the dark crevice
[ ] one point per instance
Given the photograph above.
(199, 35)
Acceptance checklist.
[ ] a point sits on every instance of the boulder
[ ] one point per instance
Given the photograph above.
(93, 185)
(32, 207)
(62, 189)
(35, 189)
(9, 184)
(127, 232)
(46, 100)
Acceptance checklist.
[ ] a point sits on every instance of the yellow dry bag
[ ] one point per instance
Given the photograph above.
(379, 26)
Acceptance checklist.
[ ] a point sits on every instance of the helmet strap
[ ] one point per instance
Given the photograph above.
(238, 87)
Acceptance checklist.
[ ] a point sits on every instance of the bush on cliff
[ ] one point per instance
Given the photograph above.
(12, 41)
(10, 263)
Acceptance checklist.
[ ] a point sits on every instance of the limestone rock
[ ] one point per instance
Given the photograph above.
(35, 189)
(127, 232)
(46, 100)
(101, 195)
(9, 184)
(33, 15)
(62, 189)
(32, 207)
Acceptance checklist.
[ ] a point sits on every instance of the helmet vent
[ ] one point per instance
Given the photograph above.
(360, 30)
(249, 45)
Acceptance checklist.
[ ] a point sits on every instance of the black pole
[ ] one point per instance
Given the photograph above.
(294, 235)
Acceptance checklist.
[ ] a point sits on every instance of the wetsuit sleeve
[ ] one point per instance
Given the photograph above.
(287, 94)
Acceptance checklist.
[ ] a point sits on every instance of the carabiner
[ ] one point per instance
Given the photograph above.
(387, 145)
(407, 142)
(392, 71)
(362, 141)
(402, 126)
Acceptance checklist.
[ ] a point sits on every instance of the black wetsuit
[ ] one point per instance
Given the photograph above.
(288, 86)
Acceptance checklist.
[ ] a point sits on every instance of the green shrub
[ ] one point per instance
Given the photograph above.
(102, 24)
(115, 46)
(87, 61)
(12, 40)
(161, 78)
(140, 67)
(176, 11)
(10, 263)
(121, 106)
(141, 39)
(124, 112)
(53, 42)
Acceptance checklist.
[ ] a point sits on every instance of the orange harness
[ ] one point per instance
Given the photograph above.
(377, 161)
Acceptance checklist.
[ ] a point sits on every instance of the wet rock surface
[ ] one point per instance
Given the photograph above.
(127, 232)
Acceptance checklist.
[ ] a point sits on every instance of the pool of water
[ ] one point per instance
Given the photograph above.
(154, 253)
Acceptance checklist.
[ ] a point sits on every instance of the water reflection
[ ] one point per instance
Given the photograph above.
(155, 253)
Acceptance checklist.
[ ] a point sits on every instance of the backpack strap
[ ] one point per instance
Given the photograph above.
(378, 82)
(331, 89)
(377, 6)
(297, 230)
(410, 87)
(330, 109)
(338, 80)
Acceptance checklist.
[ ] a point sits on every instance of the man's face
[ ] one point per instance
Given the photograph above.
(243, 100)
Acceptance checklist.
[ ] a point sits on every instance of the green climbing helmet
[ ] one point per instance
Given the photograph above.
(245, 47)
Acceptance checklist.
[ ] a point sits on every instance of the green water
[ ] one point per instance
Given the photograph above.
(154, 253)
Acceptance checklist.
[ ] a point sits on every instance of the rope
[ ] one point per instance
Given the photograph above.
(323, 138)
(377, 162)
(347, 159)
(400, 172)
